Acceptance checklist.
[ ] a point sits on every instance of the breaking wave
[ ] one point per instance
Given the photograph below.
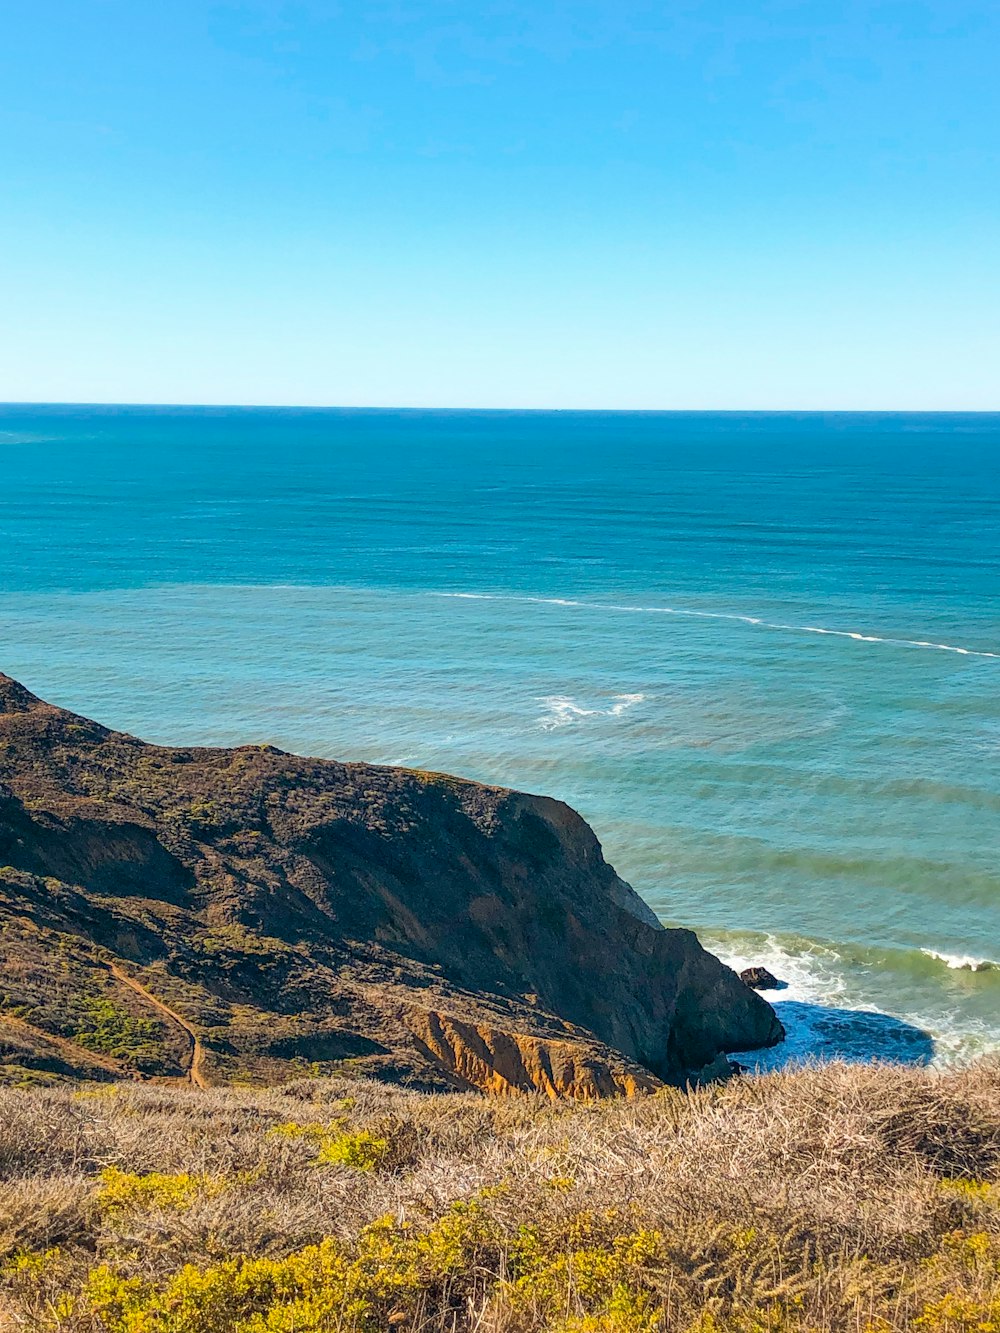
(836, 1002)
(962, 962)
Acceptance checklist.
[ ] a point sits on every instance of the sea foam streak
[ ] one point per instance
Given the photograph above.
(723, 615)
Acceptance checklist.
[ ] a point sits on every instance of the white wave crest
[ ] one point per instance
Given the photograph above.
(958, 962)
(813, 982)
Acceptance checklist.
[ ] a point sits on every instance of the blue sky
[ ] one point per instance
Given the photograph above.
(590, 204)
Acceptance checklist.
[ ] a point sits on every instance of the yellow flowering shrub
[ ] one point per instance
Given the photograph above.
(389, 1270)
(360, 1149)
(706, 1322)
(972, 1249)
(291, 1129)
(592, 1283)
(123, 1191)
(626, 1311)
(960, 1314)
(965, 1271)
(29, 1263)
(976, 1190)
(561, 1184)
(98, 1092)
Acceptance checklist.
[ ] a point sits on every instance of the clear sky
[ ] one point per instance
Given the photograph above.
(540, 203)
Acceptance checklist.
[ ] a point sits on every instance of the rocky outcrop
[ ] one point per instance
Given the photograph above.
(502, 1062)
(306, 913)
(759, 978)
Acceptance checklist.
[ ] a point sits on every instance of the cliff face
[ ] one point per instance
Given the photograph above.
(291, 912)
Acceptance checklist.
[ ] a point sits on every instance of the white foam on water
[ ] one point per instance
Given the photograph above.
(563, 711)
(962, 962)
(810, 981)
(809, 974)
(853, 635)
(625, 702)
(823, 1019)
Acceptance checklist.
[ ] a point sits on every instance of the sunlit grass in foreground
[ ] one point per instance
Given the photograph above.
(836, 1198)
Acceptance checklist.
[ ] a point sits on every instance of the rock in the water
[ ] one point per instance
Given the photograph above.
(307, 914)
(759, 978)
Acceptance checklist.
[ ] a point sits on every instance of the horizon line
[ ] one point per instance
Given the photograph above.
(426, 407)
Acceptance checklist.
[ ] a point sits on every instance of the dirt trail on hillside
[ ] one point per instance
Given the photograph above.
(196, 1066)
(77, 1054)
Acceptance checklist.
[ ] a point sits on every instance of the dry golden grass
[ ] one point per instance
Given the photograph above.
(834, 1198)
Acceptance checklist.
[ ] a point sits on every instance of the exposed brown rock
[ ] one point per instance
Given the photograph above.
(294, 912)
(502, 1062)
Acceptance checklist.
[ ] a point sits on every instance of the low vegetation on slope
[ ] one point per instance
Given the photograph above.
(838, 1198)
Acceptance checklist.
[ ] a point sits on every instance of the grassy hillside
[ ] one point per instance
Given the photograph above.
(861, 1199)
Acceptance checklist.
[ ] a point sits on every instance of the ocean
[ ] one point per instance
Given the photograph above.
(759, 653)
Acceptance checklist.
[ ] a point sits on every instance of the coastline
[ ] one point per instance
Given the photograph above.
(643, 634)
(827, 1002)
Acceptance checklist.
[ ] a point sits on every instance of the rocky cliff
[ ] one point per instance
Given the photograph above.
(244, 913)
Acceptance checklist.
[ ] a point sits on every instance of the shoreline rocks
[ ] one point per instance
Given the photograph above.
(759, 978)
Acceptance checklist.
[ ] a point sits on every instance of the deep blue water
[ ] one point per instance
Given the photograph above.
(760, 653)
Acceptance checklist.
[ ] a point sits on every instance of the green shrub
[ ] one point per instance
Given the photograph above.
(108, 1029)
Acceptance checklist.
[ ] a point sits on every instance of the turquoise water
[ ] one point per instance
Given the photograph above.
(760, 654)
